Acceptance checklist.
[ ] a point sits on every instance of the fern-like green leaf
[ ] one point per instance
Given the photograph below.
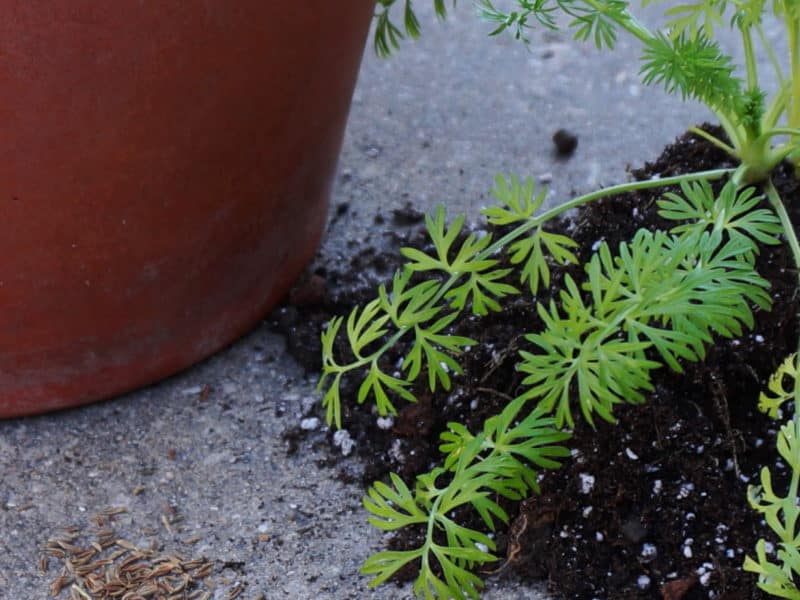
(482, 290)
(677, 291)
(518, 200)
(531, 252)
(434, 350)
(518, 204)
(771, 404)
(365, 327)
(516, 22)
(693, 67)
(386, 563)
(781, 514)
(734, 213)
(666, 292)
(408, 307)
(393, 506)
(388, 35)
(694, 18)
(599, 22)
(459, 583)
(376, 382)
(499, 461)
(443, 237)
(331, 400)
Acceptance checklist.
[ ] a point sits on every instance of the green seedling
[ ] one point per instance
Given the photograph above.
(657, 301)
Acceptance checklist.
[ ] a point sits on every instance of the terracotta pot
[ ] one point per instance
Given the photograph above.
(164, 174)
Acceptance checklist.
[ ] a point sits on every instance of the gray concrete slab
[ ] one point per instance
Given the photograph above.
(203, 450)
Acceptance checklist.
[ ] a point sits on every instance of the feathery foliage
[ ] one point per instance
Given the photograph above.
(388, 34)
(657, 300)
(780, 512)
(668, 293)
(501, 460)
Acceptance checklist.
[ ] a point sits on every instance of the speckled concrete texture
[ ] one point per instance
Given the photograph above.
(199, 458)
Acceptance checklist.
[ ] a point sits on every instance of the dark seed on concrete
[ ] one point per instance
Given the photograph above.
(565, 142)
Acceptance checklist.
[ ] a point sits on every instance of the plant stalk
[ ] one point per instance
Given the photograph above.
(750, 59)
(791, 237)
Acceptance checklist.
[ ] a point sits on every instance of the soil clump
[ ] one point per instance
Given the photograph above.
(654, 506)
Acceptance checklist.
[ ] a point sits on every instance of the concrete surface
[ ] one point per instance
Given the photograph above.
(204, 449)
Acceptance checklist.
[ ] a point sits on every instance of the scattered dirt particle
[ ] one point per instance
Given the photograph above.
(677, 590)
(408, 215)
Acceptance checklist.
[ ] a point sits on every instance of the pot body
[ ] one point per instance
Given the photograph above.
(164, 174)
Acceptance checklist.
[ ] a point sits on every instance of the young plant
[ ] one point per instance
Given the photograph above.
(780, 512)
(656, 301)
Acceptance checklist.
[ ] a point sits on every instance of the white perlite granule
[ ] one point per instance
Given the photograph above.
(342, 439)
(587, 482)
(309, 424)
(649, 551)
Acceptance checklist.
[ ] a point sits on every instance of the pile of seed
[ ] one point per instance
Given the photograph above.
(111, 568)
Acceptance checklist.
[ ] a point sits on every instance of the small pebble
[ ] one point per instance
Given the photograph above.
(191, 391)
(309, 424)
(587, 483)
(384, 422)
(649, 551)
(342, 439)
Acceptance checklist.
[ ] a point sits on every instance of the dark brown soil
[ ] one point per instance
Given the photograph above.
(651, 507)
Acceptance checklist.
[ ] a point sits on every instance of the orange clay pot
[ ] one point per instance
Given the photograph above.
(164, 174)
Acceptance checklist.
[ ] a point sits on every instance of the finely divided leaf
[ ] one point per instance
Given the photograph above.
(519, 201)
(482, 290)
(692, 19)
(599, 21)
(433, 349)
(734, 213)
(376, 382)
(529, 250)
(772, 403)
(781, 514)
(694, 67)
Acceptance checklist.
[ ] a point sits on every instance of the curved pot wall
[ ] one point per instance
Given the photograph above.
(164, 173)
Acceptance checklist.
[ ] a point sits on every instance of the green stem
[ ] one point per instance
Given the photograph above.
(776, 107)
(712, 139)
(791, 517)
(782, 131)
(794, 75)
(614, 190)
(791, 237)
(773, 58)
(750, 59)
(736, 133)
(788, 229)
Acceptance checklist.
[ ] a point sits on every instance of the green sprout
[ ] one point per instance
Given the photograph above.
(656, 301)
